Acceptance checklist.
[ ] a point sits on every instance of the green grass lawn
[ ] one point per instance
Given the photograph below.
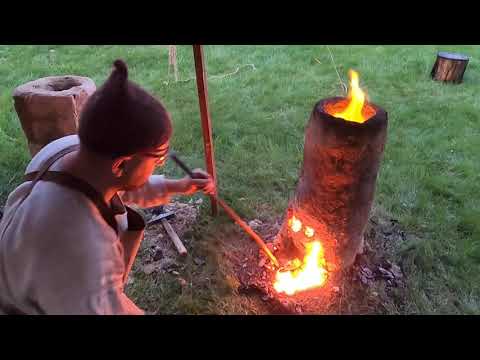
(429, 178)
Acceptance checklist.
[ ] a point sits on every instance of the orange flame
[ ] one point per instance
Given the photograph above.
(310, 273)
(353, 111)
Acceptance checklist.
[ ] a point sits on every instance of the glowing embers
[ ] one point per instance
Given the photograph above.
(356, 108)
(295, 224)
(309, 232)
(307, 274)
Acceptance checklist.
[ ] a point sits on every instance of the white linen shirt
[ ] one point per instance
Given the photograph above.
(57, 253)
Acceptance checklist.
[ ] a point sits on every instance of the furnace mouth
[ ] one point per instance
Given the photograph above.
(338, 105)
(62, 84)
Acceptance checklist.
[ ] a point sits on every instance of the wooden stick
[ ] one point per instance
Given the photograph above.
(201, 76)
(173, 235)
(172, 60)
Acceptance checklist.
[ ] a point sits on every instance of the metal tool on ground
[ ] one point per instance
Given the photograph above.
(231, 213)
(163, 216)
(159, 217)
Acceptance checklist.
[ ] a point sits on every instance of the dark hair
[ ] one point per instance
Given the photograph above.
(121, 118)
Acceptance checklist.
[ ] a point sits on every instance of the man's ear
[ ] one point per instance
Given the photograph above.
(118, 166)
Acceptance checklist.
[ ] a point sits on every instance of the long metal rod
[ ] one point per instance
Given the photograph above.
(201, 76)
(231, 213)
(248, 230)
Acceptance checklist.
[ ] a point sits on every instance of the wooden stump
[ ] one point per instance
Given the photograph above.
(172, 61)
(49, 108)
(337, 183)
(449, 67)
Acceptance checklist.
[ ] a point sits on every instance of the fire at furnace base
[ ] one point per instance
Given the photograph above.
(307, 275)
(303, 275)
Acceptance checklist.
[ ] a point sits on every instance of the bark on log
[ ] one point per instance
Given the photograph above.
(49, 108)
(449, 67)
(337, 183)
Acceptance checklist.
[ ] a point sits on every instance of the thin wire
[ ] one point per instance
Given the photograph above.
(345, 88)
(221, 76)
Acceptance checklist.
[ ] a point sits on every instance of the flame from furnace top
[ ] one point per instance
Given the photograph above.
(310, 273)
(353, 111)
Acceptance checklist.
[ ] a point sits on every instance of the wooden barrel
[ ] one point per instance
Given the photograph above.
(49, 108)
(449, 67)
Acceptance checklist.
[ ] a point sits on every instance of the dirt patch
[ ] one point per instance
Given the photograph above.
(373, 284)
(157, 252)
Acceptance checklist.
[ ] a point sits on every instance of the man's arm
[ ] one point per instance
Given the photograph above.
(153, 193)
(158, 190)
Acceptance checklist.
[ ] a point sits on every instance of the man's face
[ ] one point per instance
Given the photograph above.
(140, 167)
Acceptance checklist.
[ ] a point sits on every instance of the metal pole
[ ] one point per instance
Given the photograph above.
(201, 75)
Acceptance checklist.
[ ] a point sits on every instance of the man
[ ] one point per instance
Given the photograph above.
(67, 238)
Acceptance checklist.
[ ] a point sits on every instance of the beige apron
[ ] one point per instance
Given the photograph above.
(130, 239)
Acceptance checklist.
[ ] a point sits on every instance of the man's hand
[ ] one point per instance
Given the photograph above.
(201, 181)
(188, 186)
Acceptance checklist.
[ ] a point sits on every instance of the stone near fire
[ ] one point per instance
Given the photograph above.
(198, 261)
(158, 254)
(255, 224)
(385, 273)
(49, 108)
(396, 271)
(149, 268)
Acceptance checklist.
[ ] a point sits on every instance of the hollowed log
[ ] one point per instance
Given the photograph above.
(49, 108)
(337, 182)
(449, 67)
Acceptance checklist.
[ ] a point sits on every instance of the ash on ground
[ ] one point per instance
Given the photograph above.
(371, 285)
(157, 252)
